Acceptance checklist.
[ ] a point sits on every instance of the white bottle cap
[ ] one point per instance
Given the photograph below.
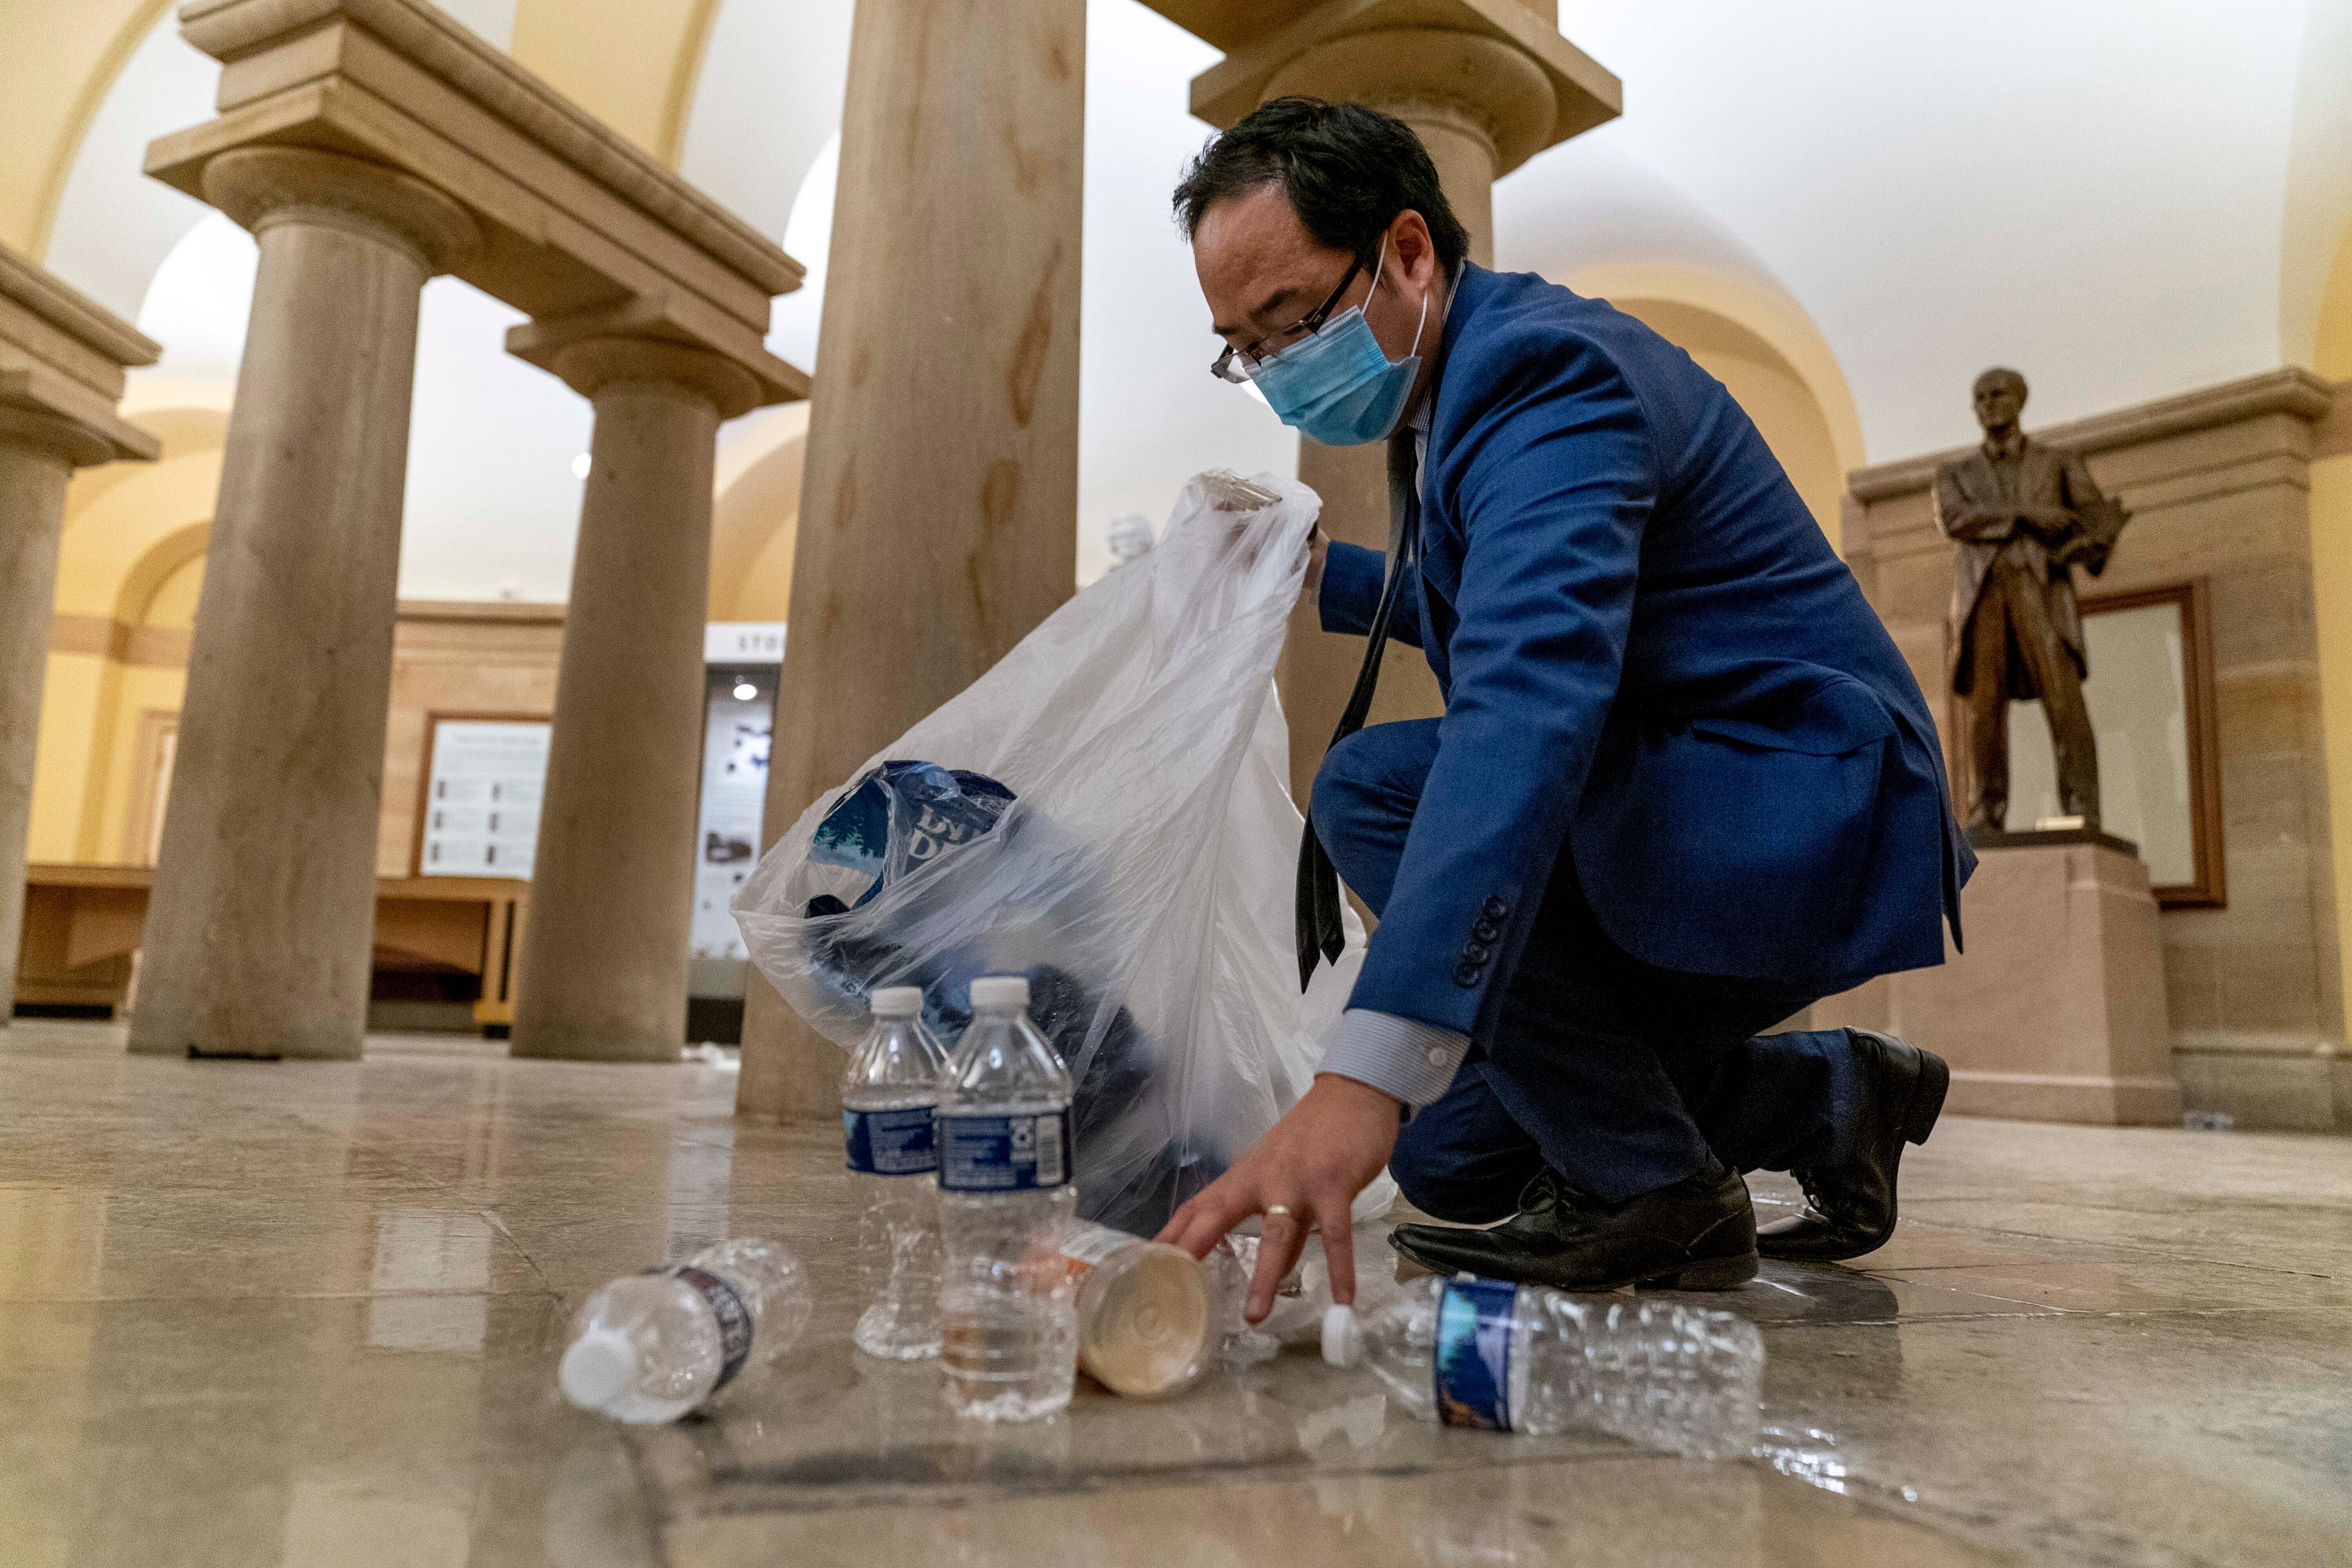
(1001, 991)
(897, 1001)
(599, 1367)
(1343, 1337)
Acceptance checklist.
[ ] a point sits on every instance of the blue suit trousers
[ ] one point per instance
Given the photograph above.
(1620, 1075)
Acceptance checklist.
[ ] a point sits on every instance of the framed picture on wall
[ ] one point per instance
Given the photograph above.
(484, 774)
(2151, 693)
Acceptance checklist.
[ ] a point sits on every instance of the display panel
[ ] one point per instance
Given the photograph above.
(739, 705)
(484, 779)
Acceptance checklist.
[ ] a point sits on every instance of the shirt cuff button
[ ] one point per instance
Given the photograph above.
(1436, 1056)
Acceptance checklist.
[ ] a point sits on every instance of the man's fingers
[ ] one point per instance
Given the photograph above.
(1338, 1224)
(1178, 1223)
(1197, 1226)
(1280, 1241)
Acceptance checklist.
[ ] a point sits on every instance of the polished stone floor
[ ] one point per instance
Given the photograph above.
(308, 1314)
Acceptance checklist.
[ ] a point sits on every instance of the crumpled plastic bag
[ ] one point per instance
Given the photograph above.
(1140, 872)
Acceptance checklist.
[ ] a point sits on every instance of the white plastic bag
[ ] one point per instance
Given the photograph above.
(1142, 874)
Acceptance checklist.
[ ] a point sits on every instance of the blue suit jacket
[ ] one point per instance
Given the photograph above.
(1651, 656)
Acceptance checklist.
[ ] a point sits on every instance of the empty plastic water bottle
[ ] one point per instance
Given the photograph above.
(1522, 1358)
(650, 1347)
(1149, 1315)
(1300, 1300)
(1008, 1317)
(887, 1096)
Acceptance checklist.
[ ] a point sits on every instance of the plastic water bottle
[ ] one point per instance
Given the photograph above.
(887, 1096)
(1150, 1317)
(1007, 1310)
(650, 1347)
(1522, 1358)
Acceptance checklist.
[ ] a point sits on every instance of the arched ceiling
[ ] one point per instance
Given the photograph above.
(2127, 202)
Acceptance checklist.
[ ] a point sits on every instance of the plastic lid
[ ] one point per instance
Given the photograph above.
(897, 1001)
(599, 1367)
(1001, 991)
(1343, 1337)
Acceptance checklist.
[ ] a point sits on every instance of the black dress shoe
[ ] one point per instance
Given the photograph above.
(1851, 1205)
(1698, 1234)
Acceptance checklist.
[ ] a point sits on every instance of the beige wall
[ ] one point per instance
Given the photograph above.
(2331, 561)
(1767, 387)
(110, 681)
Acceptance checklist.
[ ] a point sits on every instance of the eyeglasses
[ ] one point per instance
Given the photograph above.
(1241, 364)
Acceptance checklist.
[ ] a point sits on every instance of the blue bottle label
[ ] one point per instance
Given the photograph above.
(726, 1307)
(890, 1142)
(1004, 1154)
(1472, 1359)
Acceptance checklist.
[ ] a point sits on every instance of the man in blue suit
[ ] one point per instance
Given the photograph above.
(1684, 784)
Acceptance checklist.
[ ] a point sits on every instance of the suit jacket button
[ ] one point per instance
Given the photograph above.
(1485, 930)
(1495, 909)
(1478, 953)
(1466, 973)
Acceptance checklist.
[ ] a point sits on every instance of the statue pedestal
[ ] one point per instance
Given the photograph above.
(2056, 1013)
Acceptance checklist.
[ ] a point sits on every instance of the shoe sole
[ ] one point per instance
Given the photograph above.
(1708, 1274)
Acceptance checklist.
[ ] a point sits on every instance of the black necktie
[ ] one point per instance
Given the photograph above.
(1320, 934)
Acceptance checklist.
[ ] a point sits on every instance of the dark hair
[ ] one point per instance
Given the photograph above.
(1349, 171)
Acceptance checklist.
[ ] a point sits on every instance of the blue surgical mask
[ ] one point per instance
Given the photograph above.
(1338, 386)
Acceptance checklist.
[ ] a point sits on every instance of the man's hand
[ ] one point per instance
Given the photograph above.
(1311, 1164)
(1318, 547)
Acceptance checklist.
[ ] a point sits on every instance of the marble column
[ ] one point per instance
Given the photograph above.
(38, 453)
(1469, 99)
(603, 976)
(938, 512)
(259, 925)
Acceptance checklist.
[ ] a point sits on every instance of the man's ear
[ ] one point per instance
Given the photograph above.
(1413, 245)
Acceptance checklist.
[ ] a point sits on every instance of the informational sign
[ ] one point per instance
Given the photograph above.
(743, 642)
(740, 710)
(483, 785)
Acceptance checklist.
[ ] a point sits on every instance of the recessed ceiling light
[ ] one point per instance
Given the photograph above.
(745, 691)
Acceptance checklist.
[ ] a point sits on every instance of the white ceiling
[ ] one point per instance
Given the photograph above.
(2124, 198)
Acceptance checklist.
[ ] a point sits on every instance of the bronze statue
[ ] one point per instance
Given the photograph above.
(2023, 515)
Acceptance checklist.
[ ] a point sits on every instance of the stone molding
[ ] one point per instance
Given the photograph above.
(145, 647)
(2290, 389)
(167, 647)
(575, 222)
(62, 356)
(530, 612)
(241, 33)
(1584, 93)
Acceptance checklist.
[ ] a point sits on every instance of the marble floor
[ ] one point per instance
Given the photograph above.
(308, 1314)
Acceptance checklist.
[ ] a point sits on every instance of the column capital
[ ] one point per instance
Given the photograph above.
(262, 186)
(562, 215)
(62, 356)
(592, 364)
(1478, 83)
(68, 441)
(1497, 67)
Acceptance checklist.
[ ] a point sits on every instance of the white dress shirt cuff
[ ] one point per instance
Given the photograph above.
(1402, 1056)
